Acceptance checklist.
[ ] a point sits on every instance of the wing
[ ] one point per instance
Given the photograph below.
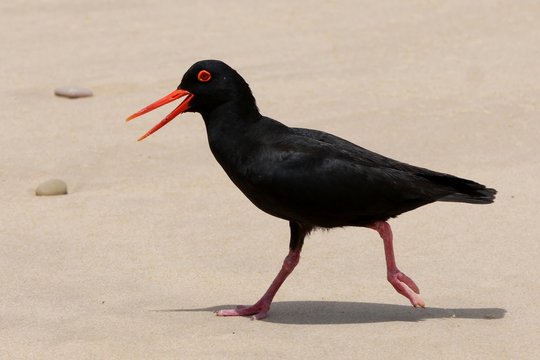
(317, 178)
(320, 179)
(452, 188)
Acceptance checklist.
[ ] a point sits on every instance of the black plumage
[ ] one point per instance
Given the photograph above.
(310, 178)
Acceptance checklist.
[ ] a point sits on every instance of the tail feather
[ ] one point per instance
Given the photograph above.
(484, 196)
(465, 191)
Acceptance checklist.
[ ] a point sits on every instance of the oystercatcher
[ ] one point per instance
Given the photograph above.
(310, 178)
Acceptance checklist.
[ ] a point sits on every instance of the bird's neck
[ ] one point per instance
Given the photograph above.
(227, 128)
(230, 119)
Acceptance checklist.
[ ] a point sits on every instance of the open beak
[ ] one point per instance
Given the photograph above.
(175, 95)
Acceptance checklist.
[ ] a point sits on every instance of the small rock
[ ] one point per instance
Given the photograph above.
(72, 92)
(52, 187)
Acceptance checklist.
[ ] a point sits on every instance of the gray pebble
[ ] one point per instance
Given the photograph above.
(72, 92)
(52, 187)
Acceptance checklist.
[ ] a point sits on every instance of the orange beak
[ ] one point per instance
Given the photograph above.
(175, 95)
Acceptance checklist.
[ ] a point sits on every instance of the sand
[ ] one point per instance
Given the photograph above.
(153, 237)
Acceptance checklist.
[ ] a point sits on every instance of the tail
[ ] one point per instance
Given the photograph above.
(465, 191)
(481, 196)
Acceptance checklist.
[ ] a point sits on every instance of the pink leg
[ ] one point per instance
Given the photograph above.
(260, 309)
(401, 282)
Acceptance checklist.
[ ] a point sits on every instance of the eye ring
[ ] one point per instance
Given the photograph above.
(204, 76)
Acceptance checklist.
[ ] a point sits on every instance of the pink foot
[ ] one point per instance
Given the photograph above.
(257, 311)
(406, 287)
(260, 309)
(401, 282)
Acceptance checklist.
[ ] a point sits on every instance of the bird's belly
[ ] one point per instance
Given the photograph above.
(288, 205)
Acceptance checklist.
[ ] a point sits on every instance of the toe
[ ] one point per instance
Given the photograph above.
(258, 311)
(408, 281)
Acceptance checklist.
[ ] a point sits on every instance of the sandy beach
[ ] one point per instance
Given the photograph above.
(153, 237)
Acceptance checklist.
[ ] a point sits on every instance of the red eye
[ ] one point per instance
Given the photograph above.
(204, 76)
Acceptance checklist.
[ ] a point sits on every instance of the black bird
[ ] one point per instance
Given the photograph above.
(310, 178)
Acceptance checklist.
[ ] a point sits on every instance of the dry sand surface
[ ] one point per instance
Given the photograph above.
(153, 237)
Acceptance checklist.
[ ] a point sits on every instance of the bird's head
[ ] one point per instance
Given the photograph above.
(207, 85)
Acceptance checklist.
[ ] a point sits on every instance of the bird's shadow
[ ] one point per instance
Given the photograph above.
(341, 312)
